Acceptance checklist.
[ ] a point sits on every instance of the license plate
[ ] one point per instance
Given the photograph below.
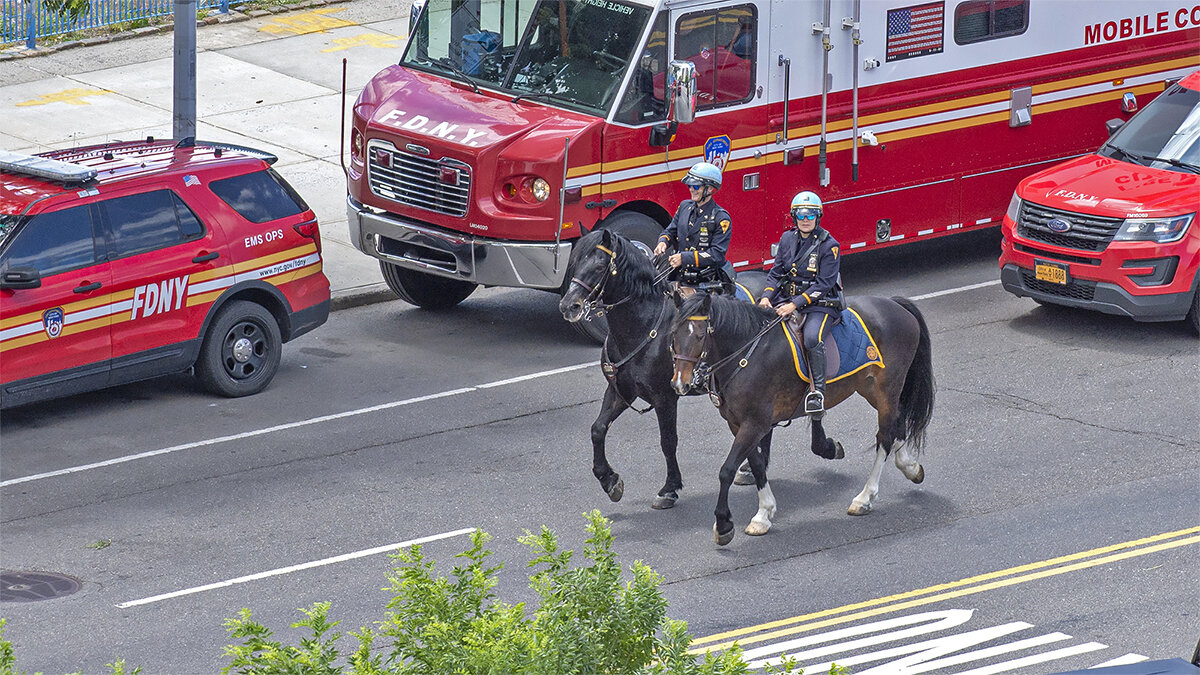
(1054, 273)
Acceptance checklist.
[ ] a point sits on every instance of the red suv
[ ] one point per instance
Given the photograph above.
(125, 261)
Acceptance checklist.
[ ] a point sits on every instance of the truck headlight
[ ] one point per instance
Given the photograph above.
(541, 189)
(1160, 230)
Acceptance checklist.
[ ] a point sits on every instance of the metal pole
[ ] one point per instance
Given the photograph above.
(184, 117)
(31, 24)
(562, 201)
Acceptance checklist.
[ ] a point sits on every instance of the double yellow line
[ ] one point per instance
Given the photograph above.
(955, 589)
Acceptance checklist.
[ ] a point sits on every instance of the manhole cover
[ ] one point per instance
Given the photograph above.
(34, 586)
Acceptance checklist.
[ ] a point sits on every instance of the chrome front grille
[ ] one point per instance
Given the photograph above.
(1087, 233)
(439, 185)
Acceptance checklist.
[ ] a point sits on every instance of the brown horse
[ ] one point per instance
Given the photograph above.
(743, 356)
(615, 276)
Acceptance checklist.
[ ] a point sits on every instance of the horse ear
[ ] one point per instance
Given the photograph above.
(677, 298)
(706, 306)
(606, 238)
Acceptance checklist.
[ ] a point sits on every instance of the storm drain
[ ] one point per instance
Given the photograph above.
(34, 586)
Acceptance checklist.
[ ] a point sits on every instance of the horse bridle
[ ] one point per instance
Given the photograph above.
(593, 303)
(703, 373)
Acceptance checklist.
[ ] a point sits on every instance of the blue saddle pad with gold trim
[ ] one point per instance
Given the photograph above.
(854, 342)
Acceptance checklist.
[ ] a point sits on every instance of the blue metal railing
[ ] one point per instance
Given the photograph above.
(28, 20)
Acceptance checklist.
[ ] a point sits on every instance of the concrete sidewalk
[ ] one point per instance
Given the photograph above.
(271, 82)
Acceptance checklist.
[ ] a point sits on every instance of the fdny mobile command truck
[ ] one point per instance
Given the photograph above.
(512, 127)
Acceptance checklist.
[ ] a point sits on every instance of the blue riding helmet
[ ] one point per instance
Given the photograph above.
(703, 174)
(806, 206)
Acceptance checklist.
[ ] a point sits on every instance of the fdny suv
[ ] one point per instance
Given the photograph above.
(124, 261)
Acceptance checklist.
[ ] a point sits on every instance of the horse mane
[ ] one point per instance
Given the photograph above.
(635, 271)
(726, 315)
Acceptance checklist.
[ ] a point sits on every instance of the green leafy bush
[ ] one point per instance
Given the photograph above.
(588, 620)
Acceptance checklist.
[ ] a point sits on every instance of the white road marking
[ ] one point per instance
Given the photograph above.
(296, 568)
(361, 411)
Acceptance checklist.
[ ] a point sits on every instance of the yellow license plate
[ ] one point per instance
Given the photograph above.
(1052, 272)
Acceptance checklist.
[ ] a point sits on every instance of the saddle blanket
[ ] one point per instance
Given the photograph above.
(854, 342)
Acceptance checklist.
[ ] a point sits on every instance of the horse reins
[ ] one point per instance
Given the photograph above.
(593, 303)
(706, 373)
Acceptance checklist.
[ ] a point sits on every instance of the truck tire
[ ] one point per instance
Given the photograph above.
(425, 290)
(636, 227)
(241, 350)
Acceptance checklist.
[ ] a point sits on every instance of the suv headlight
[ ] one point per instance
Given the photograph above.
(1014, 208)
(1160, 230)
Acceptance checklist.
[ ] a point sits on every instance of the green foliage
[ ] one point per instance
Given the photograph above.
(589, 619)
(71, 10)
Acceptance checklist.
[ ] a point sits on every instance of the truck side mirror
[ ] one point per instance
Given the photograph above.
(681, 91)
(1114, 124)
(20, 277)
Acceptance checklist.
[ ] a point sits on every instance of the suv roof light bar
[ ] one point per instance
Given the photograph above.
(44, 167)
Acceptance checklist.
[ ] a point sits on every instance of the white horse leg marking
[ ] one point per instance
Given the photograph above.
(761, 523)
(861, 505)
(908, 464)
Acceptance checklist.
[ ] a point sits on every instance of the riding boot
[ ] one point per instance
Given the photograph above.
(814, 403)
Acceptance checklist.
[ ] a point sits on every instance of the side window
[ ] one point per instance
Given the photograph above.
(149, 221)
(723, 45)
(645, 101)
(260, 196)
(980, 20)
(54, 242)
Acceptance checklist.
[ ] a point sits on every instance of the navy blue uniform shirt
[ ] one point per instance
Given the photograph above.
(805, 271)
(701, 234)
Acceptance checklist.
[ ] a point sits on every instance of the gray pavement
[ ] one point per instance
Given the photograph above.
(272, 82)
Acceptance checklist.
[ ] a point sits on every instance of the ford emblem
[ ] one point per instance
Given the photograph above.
(418, 149)
(1058, 225)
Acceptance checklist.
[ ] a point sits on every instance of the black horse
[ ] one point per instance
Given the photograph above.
(611, 274)
(745, 358)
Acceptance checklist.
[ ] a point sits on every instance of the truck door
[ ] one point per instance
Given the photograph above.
(727, 43)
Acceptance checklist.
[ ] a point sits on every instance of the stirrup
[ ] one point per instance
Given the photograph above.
(814, 403)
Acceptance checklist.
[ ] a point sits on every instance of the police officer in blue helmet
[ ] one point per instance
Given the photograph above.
(805, 283)
(699, 233)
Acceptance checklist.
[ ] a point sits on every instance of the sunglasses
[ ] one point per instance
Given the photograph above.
(695, 187)
(805, 214)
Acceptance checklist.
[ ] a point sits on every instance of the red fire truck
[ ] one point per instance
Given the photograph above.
(511, 127)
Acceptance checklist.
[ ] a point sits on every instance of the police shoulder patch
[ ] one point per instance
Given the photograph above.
(725, 225)
(835, 251)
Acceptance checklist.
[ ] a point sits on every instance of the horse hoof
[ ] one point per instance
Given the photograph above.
(744, 476)
(859, 509)
(839, 452)
(722, 539)
(920, 475)
(666, 501)
(617, 491)
(757, 529)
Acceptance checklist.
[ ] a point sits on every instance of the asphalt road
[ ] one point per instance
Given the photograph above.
(1057, 526)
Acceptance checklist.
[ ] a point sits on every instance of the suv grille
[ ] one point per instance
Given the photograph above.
(441, 185)
(1087, 233)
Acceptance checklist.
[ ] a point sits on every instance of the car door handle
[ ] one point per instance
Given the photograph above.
(87, 288)
(206, 257)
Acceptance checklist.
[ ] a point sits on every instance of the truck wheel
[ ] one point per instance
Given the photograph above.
(241, 350)
(425, 290)
(643, 231)
(1194, 315)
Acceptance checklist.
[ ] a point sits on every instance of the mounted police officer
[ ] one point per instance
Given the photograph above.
(700, 233)
(806, 279)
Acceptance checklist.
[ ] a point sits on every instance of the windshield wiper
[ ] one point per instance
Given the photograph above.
(1126, 153)
(552, 97)
(1175, 162)
(447, 63)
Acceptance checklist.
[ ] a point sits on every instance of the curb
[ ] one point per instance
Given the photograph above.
(357, 296)
(233, 16)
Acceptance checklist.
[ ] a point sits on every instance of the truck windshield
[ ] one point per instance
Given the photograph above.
(574, 52)
(1166, 133)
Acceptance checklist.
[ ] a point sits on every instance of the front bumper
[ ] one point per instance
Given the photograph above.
(425, 248)
(1098, 296)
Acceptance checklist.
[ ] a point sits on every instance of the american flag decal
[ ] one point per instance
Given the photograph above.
(191, 180)
(915, 31)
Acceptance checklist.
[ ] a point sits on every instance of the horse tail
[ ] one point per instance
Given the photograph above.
(916, 400)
